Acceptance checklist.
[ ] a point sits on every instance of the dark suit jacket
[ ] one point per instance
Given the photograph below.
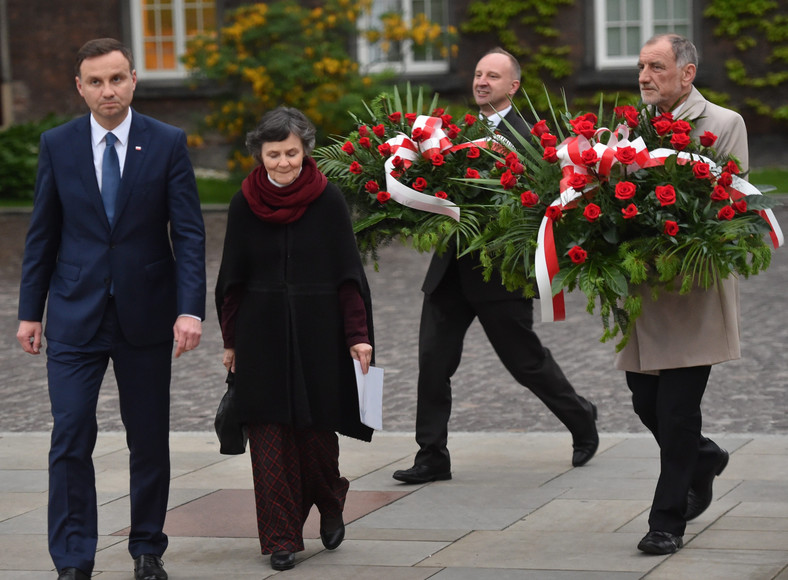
(154, 256)
(470, 270)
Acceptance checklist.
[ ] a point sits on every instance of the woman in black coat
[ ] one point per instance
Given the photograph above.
(295, 310)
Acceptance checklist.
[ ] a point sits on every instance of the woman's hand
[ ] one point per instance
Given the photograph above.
(228, 360)
(362, 352)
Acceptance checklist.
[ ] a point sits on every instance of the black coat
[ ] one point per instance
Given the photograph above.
(470, 270)
(293, 365)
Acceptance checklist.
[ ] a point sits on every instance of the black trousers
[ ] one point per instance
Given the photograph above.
(669, 405)
(445, 317)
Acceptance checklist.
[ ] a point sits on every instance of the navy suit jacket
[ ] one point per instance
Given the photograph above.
(153, 256)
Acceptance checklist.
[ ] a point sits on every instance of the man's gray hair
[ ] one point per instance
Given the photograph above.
(683, 49)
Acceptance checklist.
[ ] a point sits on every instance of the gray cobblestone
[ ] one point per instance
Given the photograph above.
(744, 396)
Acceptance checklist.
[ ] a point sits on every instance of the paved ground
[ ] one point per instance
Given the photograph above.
(744, 396)
(515, 508)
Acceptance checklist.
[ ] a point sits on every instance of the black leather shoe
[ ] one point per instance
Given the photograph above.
(149, 567)
(331, 540)
(584, 448)
(282, 560)
(660, 543)
(72, 574)
(700, 496)
(422, 474)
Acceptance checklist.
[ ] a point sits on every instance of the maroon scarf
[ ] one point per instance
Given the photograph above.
(283, 205)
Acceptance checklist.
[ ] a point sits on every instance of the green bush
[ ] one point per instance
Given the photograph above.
(19, 157)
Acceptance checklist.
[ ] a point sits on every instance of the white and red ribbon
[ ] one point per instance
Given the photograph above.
(569, 154)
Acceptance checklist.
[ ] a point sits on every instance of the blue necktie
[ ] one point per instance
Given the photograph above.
(110, 176)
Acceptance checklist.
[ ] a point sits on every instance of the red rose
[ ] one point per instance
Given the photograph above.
(550, 154)
(671, 228)
(511, 157)
(473, 152)
(356, 168)
(554, 212)
(630, 211)
(517, 168)
(589, 157)
(395, 117)
(625, 190)
(681, 126)
(472, 174)
(680, 140)
(348, 148)
(379, 130)
(441, 194)
(701, 170)
(438, 112)
(384, 149)
(363, 131)
(365, 142)
(578, 255)
(583, 127)
(411, 118)
(740, 206)
(731, 167)
(725, 179)
(548, 140)
(470, 119)
(529, 198)
(499, 165)
(383, 196)
(438, 159)
(540, 128)
(726, 213)
(577, 181)
(629, 113)
(372, 186)
(508, 181)
(446, 119)
(398, 161)
(418, 134)
(420, 184)
(707, 139)
(626, 155)
(592, 212)
(662, 126)
(452, 131)
(719, 193)
(666, 194)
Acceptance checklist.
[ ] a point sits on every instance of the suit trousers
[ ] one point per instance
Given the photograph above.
(445, 317)
(75, 375)
(668, 404)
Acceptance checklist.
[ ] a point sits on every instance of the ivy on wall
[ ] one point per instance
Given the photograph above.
(756, 26)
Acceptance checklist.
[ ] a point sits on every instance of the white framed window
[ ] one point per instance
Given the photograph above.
(402, 56)
(623, 26)
(161, 29)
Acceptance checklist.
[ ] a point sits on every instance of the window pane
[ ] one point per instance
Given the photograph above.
(614, 42)
(613, 10)
(681, 9)
(682, 29)
(633, 40)
(633, 10)
(661, 10)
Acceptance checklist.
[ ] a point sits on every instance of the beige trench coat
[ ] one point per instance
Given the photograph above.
(702, 327)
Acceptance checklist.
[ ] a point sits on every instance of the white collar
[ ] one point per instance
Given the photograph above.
(97, 132)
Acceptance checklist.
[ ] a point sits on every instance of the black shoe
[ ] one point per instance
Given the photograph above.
(72, 574)
(149, 567)
(700, 496)
(422, 474)
(282, 560)
(660, 543)
(331, 540)
(584, 448)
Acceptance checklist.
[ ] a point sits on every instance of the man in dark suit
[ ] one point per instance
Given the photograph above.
(455, 293)
(116, 244)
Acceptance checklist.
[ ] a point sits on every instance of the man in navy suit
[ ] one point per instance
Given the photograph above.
(116, 245)
(455, 293)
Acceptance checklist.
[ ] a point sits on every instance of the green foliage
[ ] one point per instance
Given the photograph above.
(282, 53)
(753, 25)
(19, 157)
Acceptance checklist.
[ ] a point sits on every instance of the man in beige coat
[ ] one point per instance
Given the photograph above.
(678, 337)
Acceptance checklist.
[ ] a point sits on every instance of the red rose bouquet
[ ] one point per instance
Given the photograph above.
(604, 210)
(409, 171)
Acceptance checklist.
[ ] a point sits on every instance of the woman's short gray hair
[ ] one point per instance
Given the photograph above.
(277, 125)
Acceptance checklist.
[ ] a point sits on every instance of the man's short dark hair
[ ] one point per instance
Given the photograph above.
(100, 47)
